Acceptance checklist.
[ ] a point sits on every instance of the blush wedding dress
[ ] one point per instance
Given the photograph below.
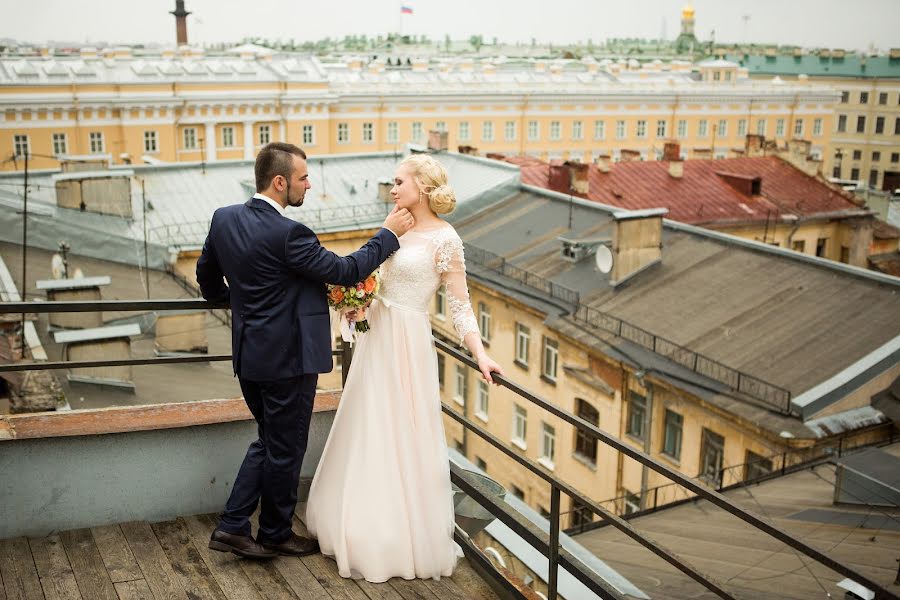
(380, 502)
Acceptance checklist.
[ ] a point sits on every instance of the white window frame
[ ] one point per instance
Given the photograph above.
(523, 344)
(798, 126)
(21, 144)
(742, 128)
(440, 126)
(550, 355)
(393, 132)
(817, 127)
(343, 133)
(641, 130)
(577, 130)
(97, 143)
(519, 427)
(702, 128)
(548, 446)
(465, 131)
(264, 135)
(722, 128)
(682, 128)
(484, 321)
(662, 128)
(228, 132)
(534, 131)
(621, 130)
(761, 127)
(309, 135)
(482, 400)
(368, 133)
(779, 128)
(151, 141)
(461, 387)
(599, 130)
(189, 138)
(509, 131)
(555, 130)
(487, 131)
(418, 131)
(440, 303)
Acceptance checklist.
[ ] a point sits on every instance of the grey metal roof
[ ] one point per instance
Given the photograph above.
(73, 284)
(96, 333)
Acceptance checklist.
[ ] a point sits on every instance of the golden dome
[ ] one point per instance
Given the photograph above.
(687, 12)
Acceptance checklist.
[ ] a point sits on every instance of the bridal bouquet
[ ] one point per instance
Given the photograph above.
(351, 301)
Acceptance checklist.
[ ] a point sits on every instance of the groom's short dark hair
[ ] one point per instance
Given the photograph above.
(275, 159)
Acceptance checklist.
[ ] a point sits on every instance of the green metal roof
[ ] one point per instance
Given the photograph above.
(851, 65)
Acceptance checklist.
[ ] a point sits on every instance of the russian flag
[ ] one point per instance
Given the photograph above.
(406, 10)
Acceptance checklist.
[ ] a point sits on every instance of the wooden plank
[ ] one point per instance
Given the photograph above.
(466, 578)
(154, 564)
(412, 589)
(446, 589)
(54, 570)
(117, 556)
(267, 579)
(134, 590)
(326, 572)
(20, 577)
(223, 566)
(195, 576)
(378, 591)
(2, 588)
(303, 583)
(90, 572)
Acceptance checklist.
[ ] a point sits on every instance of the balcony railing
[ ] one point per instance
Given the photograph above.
(547, 544)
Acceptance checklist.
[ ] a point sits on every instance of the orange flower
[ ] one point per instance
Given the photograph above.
(336, 295)
(370, 285)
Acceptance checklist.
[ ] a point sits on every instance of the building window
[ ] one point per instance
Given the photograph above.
(873, 178)
(551, 358)
(150, 144)
(599, 130)
(586, 445)
(418, 132)
(462, 385)
(845, 97)
(228, 137)
(21, 145)
(481, 464)
(876, 156)
(860, 124)
(548, 445)
(620, 130)
(484, 321)
(441, 360)
(509, 131)
(897, 126)
(722, 130)
(534, 131)
(717, 75)
(581, 514)
(520, 423)
(641, 128)
(60, 143)
(682, 128)
(821, 247)
(845, 255)
(632, 502)
(517, 492)
(440, 126)
(487, 131)
(96, 142)
(308, 135)
(842, 123)
(854, 174)
(879, 124)
(882, 98)
(637, 414)
(672, 434)
(864, 97)
(481, 402)
(702, 128)
(661, 126)
(857, 155)
(368, 133)
(393, 132)
(464, 131)
(798, 128)
(742, 127)
(779, 128)
(555, 130)
(761, 127)
(756, 466)
(190, 138)
(440, 303)
(798, 246)
(265, 134)
(895, 157)
(343, 133)
(817, 127)
(577, 130)
(523, 342)
(712, 452)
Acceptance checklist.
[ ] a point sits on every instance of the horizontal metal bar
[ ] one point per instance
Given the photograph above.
(710, 495)
(610, 517)
(122, 305)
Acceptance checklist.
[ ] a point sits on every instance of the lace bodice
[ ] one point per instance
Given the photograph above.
(425, 261)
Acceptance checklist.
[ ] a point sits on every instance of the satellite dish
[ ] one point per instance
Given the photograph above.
(603, 259)
(57, 267)
(78, 274)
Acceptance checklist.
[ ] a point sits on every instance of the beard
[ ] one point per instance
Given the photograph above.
(298, 202)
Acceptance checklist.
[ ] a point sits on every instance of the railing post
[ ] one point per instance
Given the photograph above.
(553, 554)
(655, 494)
(346, 357)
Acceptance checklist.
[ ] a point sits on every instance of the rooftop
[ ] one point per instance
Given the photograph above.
(843, 65)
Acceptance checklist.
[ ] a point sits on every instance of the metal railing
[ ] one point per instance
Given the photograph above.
(548, 544)
(770, 395)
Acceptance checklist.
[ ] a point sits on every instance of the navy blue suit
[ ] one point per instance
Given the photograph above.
(276, 271)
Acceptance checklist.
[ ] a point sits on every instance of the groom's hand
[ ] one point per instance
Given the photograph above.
(399, 221)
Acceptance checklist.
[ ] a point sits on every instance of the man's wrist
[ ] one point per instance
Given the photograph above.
(392, 231)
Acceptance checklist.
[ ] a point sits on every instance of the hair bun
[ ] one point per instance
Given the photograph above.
(442, 199)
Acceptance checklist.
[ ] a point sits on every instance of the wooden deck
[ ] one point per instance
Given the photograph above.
(170, 560)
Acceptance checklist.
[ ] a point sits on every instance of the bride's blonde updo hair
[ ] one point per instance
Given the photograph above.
(432, 179)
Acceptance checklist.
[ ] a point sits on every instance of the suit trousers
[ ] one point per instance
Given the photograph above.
(271, 469)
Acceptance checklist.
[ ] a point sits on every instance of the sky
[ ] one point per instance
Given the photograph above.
(848, 24)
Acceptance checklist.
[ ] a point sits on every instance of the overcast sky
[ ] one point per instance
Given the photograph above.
(849, 24)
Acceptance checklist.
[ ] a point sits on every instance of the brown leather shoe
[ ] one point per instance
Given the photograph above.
(242, 545)
(294, 546)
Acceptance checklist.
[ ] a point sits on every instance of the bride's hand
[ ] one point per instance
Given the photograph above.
(487, 366)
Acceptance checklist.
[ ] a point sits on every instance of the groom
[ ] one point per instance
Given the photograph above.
(276, 272)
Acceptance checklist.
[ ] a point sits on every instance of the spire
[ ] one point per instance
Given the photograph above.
(180, 22)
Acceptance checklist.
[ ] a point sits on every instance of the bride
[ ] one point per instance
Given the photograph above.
(380, 501)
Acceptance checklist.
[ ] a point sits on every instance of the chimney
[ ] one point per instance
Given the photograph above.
(630, 155)
(735, 152)
(181, 331)
(702, 153)
(180, 22)
(88, 53)
(558, 178)
(470, 150)
(672, 151)
(578, 177)
(637, 243)
(603, 163)
(384, 189)
(85, 289)
(437, 140)
(496, 156)
(105, 193)
(44, 51)
(754, 144)
(894, 54)
(676, 168)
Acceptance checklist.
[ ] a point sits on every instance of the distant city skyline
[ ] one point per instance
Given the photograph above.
(829, 23)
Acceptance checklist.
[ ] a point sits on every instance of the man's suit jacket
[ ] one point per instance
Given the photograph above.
(276, 271)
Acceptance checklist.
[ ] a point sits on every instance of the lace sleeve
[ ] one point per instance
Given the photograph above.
(451, 264)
